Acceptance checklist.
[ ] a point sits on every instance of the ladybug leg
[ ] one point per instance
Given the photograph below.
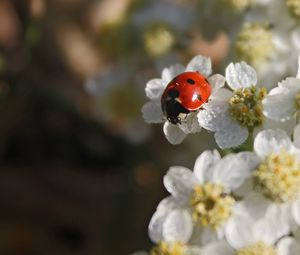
(178, 120)
(185, 117)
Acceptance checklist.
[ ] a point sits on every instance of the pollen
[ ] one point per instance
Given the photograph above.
(211, 205)
(294, 8)
(258, 248)
(254, 44)
(245, 106)
(278, 177)
(164, 248)
(159, 39)
(237, 5)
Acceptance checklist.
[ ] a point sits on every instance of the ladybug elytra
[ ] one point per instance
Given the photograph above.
(187, 92)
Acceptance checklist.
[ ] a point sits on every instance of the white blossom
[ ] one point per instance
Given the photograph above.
(276, 178)
(171, 228)
(283, 102)
(248, 236)
(205, 192)
(152, 112)
(269, 50)
(226, 114)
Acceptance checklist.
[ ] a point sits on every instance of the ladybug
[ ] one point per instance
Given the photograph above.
(187, 92)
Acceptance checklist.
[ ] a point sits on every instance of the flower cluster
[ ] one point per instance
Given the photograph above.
(246, 203)
(234, 112)
(148, 35)
(263, 33)
(243, 201)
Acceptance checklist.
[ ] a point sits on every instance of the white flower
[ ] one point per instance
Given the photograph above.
(152, 112)
(269, 48)
(205, 193)
(171, 228)
(106, 89)
(230, 114)
(283, 102)
(276, 178)
(247, 236)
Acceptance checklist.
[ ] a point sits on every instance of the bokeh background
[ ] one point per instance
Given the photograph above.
(81, 173)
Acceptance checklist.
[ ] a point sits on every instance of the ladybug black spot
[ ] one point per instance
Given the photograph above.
(199, 97)
(190, 81)
(173, 93)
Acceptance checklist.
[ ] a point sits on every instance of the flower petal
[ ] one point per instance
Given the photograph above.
(154, 89)
(290, 83)
(216, 81)
(155, 226)
(278, 90)
(230, 134)
(152, 112)
(191, 124)
(254, 204)
(204, 235)
(221, 95)
(240, 75)
(245, 188)
(288, 246)
(273, 226)
(239, 232)
(233, 169)
(205, 163)
(211, 117)
(201, 64)
(287, 126)
(173, 133)
(296, 211)
(178, 226)
(180, 181)
(217, 248)
(192, 250)
(167, 204)
(268, 141)
(171, 72)
(164, 208)
(279, 107)
(296, 136)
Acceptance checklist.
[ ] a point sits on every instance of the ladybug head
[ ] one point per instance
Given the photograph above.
(172, 108)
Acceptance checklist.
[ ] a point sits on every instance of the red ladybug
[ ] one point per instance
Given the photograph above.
(187, 92)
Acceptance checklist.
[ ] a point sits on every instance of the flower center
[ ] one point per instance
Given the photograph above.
(245, 106)
(278, 177)
(158, 39)
(237, 5)
(258, 248)
(211, 205)
(164, 248)
(294, 8)
(254, 44)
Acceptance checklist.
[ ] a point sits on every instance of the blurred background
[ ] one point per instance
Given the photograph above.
(81, 173)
